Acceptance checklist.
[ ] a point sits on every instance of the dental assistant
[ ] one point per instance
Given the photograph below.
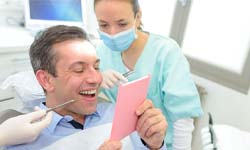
(24, 128)
(127, 47)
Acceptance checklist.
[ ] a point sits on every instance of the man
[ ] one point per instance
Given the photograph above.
(66, 66)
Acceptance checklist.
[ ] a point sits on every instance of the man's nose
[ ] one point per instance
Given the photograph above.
(94, 77)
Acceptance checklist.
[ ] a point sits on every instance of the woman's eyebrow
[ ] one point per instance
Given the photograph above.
(121, 20)
(101, 21)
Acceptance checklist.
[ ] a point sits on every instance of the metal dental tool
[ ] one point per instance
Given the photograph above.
(126, 74)
(9, 113)
(60, 106)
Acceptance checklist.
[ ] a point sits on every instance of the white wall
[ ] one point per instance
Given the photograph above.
(92, 24)
(11, 11)
(226, 106)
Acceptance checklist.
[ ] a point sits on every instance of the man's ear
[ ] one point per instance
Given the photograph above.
(45, 80)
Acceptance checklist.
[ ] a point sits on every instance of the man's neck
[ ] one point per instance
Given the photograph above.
(63, 111)
(77, 117)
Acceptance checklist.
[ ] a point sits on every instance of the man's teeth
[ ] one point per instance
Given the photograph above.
(88, 92)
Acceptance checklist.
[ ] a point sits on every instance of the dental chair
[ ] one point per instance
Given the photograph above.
(224, 137)
(26, 88)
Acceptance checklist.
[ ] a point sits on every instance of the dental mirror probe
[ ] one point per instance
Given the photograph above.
(60, 105)
(126, 74)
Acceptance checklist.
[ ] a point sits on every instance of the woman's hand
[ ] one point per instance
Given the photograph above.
(24, 128)
(112, 78)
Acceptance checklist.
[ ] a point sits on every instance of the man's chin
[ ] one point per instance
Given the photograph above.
(90, 112)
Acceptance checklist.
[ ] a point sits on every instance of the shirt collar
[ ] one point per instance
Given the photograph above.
(57, 118)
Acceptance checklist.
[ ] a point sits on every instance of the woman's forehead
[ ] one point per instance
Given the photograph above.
(113, 8)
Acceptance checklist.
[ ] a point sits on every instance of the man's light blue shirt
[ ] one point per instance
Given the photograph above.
(60, 128)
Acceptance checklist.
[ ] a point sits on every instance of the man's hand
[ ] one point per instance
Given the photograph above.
(111, 145)
(151, 125)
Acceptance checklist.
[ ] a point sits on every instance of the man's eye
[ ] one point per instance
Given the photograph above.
(97, 68)
(78, 71)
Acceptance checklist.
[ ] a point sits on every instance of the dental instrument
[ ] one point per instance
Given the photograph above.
(126, 74)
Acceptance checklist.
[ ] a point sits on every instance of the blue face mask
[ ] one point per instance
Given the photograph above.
(120, 41)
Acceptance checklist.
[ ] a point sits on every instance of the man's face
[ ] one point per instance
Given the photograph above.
(78, 76)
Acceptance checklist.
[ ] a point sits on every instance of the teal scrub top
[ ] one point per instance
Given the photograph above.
(171, 86)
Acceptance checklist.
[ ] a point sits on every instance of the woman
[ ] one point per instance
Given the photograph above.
(126, 47)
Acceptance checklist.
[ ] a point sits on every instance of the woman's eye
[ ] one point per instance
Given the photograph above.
(123, 24)
(103, 25)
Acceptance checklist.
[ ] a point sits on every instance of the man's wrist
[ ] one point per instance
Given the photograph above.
(152, 148)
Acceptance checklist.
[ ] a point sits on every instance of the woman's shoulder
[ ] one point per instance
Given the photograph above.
(160, 39)
(162, 44)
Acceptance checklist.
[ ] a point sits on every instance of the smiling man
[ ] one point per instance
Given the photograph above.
(66, 66)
